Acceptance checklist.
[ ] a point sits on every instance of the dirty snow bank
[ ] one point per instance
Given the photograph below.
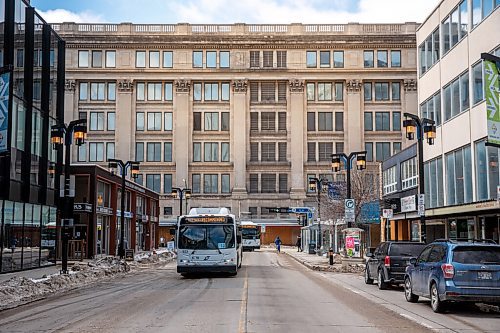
(20, 290)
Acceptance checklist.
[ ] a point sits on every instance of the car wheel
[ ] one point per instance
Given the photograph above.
(380, 280)
(409, 295)
(436, 304)
(368, 280)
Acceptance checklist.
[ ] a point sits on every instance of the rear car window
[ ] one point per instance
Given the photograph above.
(484, 255)
(408, 249)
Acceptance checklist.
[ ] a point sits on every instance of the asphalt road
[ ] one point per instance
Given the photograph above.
(271, 293)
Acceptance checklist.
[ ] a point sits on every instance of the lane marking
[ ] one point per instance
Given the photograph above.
(417, 321)
(242, 326)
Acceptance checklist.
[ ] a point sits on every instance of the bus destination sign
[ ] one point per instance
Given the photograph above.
(206, 219)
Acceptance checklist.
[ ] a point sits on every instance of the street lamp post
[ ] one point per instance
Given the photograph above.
(63, 134)
(316, 185)
(134, 170)
(360, 157)
(181, 192)
(424, 128)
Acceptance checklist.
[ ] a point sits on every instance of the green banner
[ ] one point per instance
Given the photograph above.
(492, 95)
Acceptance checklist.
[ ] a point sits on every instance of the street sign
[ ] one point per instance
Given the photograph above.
(349, 205)
(301, 210)
(408, 204)
(387, 213)
(263, 229)
(310, 215)
(421, 205)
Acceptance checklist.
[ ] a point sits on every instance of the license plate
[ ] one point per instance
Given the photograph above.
(484, 275)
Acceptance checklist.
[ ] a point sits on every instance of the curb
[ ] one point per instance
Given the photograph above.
(304, 263)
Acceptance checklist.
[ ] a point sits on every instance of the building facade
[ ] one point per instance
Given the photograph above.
(241, 114)
(32, 88)
(461, 171)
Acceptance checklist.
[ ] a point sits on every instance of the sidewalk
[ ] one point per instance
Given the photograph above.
(38, 273)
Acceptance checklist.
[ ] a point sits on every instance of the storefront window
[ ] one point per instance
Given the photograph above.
(464, 229)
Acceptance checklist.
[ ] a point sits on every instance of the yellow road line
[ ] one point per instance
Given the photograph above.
(243, 307)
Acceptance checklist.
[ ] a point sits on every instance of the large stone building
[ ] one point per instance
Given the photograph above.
(461, 172)
(241, 114)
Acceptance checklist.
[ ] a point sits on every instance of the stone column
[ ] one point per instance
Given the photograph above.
(239, 137)
(125, 121)
(353, 130)
(298, 140)
(181, 133)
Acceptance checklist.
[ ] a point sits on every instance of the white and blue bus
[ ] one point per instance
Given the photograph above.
(208, 240)
(251, 235)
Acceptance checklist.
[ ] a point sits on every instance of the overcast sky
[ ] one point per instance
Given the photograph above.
(234, 11)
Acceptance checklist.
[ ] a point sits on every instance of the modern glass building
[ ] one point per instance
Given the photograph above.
(31, 100)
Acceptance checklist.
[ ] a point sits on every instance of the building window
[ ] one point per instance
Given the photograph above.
(268, 121)
(139, 121)
(282, 151)
(153, 182)
(487, 171)
(324, 59)
(224, 152)
(139, 151)
(381, 91)
(339, 121)
(311, 121)
(254, 183)
(168, 91)
(211, 121)
(454, 27)
(167, 210)
(211, 91)
(459, 176)
(267, 59)
(97, 121)
(140, 92)
(83, 91)
(339, 91)
(368, 121)
(429, 51)
(224, 60)
(110, 150)
(211, 150)
(396, 121)
(196, 121)
(111, 91)
(281, 59)
(97, 91)
(283, 183)
(211, 59)
(395, 58)
(389, 180)
(225, 183)
(368, 59)
(154, 91)
(154, 121)
(324, 91)
(167, 151)
(224, 91)
(210, 183)
(153, 152)
(311, 152)
(111, 121)
(268, 151)
(167, 59)
(224, 125)
(382, 59)
(456, 96)
(367, 91)
(168, 121)
(268, 92)
(339, 147)
(325, 121)
(83, 59)
(431, 108)
(97, 59)
(96, 152)
(254, 59)
(382, 121)
(369, 151)
(311, 95)
(268, 183)
(311, 61)
(254, 151)
(325, 150)
(383, 151)
(396, 147)
(197, 92)
(140, 59)
(197, 59)
(196, 152)
(433, 171)
(154, 59)
(196, 183)
(477, 82)
(82, 153)
(167, 187)
(409, 174)
(396, 91)
(338, 59)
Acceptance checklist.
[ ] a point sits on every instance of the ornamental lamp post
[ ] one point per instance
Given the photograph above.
(423, 128)
(181, 193)
(317, 185)
(113, 165)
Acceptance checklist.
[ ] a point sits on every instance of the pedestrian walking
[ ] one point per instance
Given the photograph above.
(277, 241)
(299, 243)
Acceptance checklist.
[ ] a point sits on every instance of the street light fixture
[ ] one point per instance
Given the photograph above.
(424, 128)
(63, 134)
(113, 165)
(317, 185)
(360, 157)
(181, 193)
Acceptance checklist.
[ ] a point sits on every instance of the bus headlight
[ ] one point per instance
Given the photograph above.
(228, 260)
(184, 261)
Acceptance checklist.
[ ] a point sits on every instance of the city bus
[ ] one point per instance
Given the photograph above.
(208, 240)
(251, 235)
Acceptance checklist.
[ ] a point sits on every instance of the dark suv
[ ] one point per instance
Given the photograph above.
(388, 263)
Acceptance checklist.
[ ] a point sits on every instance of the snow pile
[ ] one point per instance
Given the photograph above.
(19, 290)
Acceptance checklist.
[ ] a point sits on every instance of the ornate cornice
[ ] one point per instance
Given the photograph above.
(69, 85)
(353, 85)
(182, 85)
(410, 85)
(240, 86)
(125, 85)
(296, 85)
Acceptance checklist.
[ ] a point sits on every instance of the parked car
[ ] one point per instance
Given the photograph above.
(449, 270)
(388, 263)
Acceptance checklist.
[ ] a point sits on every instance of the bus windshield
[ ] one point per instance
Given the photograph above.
(206, 237)
(250, 232)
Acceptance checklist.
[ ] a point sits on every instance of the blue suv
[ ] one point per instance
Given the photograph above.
(448, 270)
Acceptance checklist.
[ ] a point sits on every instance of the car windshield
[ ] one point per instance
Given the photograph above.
(484, 255)
(406, 249)
(206, 237)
